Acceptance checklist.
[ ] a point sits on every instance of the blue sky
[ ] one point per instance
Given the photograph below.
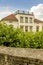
(9, 6)
(20, 4)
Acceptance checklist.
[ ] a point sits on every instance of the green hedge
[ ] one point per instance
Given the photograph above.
(12, 37)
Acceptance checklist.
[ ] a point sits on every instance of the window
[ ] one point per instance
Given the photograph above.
(30, 19)
(31, 28)
(42, 28)
(26, 28)
(21, 27)
(37, 28)
(20, 64)
(10, 21)
(26, 19)
(21, 19)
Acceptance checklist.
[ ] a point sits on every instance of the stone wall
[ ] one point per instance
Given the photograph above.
(14, 56)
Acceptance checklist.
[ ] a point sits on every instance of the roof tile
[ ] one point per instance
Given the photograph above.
(10, 17)
(38, 21)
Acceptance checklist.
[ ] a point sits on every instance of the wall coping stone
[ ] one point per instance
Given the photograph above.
(22, 52)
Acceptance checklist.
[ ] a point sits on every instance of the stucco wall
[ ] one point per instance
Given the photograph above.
(20, 56)
(14, 23)
(33, 24)
(17, 24)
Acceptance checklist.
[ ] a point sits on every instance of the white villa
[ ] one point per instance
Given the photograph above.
(24, 20)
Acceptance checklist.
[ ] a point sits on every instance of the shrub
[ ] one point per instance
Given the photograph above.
(9, 36)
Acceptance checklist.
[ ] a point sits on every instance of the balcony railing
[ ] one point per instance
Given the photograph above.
(23, 12)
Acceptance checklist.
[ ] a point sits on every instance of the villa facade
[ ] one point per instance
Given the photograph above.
(24, 20)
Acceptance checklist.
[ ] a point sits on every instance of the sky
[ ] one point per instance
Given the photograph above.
(10, 6)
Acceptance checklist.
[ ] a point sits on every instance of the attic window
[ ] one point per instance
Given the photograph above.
(10, 21)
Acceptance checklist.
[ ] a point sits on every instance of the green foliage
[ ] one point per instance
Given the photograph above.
(9, 36)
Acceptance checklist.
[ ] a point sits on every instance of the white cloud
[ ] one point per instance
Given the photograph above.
(38, 11)
(4, 11)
